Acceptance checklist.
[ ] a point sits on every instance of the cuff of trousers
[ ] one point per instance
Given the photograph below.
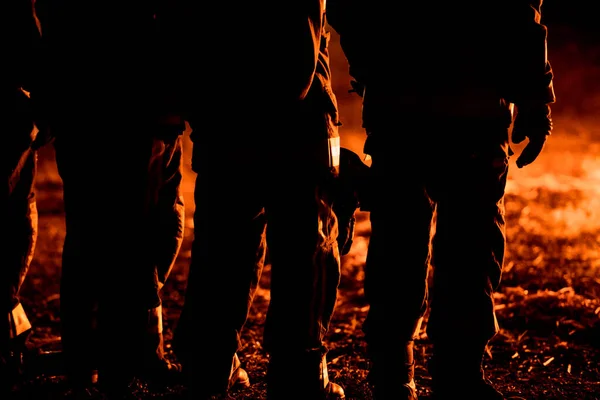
(18, 323)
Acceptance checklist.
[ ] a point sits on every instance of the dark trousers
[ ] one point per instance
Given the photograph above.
(19, 226)
(124, 227)
(244, 205)
(437, 200)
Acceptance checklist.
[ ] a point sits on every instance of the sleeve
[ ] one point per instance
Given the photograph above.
(532, 74)
(28, 45)
(300, 26)
(346, 17)
(34, 76)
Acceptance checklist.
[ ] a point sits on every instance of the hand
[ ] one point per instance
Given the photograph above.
(534, 123)
(42, 134)
(357, 87)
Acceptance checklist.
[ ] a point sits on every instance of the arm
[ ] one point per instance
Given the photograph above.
(32, 74)
(533, 75)
(300, 25)
(346, 17)
(532, 87)
(27, 45)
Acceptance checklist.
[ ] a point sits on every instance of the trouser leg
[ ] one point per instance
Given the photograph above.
(396, 274)
(228, 254)
(467, 258)
(305, 275)
(19, 230)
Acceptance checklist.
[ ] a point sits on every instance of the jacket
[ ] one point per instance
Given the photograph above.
(452, 56)
(260, 60)
(104, 62)
(21, 76)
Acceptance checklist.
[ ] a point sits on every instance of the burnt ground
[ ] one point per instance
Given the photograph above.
(548, 348)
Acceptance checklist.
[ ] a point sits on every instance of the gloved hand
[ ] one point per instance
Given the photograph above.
(534, 123)
(373, 144)
(39, 113)
(357, 87)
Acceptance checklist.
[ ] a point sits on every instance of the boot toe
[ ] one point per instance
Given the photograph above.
(163, 373)
(406, 391)
(333, 391)
(239, 378)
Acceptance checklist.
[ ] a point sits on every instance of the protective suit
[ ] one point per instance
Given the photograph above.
(439, 81)
(119, 154)
(266, 145)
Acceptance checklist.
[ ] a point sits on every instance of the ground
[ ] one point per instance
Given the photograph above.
(548, 304)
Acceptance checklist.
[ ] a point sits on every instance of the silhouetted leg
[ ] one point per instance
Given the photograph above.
(396, 270)
(19, 233)
(110, 276)
(146, 216)
(86, 255)
(228, 255)
(166, 205)
(164, 237)
(468, 253)
(305, 275)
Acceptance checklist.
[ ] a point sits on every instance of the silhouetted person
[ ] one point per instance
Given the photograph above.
(265, 136)
(439, 81)
(118, 150)
(23, 132)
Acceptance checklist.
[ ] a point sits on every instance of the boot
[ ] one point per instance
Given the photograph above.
(13, 350)
(155, 368)
(206, 390)
(11, 370)
(301, 376)
(238, 377)
(391, 376)
(457, 370)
